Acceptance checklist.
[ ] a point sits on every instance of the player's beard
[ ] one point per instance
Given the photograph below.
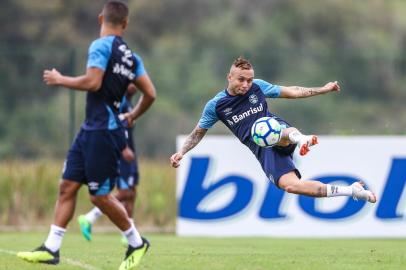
(242, 92)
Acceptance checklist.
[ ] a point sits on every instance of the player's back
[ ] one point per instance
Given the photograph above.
(112, 55)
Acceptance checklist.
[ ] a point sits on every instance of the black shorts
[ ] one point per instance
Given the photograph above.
(93, 159)
(129, 176)
(277, 160)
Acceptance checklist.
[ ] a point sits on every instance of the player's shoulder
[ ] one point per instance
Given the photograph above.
(265, 86)
(261, 82)
(270, 90)
(217, 97)
(102, 43)
(137, 58)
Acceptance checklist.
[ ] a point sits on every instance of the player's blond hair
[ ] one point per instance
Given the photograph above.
(242, 63)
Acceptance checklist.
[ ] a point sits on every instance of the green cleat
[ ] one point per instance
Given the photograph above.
(40, 255)
(133, 256)
(85, 227)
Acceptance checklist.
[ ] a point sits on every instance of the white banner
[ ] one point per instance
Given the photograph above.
(222, 190)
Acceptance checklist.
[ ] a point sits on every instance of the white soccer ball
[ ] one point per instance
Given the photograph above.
(266, 131)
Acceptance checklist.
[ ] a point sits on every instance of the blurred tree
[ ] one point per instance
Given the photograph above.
(187, 47)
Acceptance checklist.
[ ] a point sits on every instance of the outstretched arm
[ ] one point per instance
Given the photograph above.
(191, 141)
(91, 81)
(303, 92)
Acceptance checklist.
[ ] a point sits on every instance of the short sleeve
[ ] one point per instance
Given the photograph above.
(139, 66)
(269, 90)
(99, 53)
(209, 116)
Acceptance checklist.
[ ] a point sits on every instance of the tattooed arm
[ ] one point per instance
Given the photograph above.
(302, 92)
(191, 141)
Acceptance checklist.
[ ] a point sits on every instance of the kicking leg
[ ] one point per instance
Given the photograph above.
(292, 184)
(293, 136)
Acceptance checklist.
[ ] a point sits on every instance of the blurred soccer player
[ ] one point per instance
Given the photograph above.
(129, 176)
(94, 155)
(240, 105)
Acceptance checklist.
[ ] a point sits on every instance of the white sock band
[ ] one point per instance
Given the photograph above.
(55, 236)
(133, 236)
(295, 136)
(333, 190)
(132, 224)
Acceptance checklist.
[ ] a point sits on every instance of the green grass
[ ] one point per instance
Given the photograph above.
(171, 252)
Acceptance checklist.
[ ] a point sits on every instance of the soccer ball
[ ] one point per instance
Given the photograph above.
(266, 131)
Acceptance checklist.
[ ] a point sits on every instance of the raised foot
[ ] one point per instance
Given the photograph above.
(307, 143)
(85, 227)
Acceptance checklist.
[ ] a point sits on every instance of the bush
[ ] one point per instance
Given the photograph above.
(29, 191)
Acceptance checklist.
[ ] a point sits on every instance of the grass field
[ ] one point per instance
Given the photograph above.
(171, 252)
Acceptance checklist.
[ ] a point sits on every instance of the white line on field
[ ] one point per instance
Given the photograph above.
(7, 252)
(66, 260)
(79, 264)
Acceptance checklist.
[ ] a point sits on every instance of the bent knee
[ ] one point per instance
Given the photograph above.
(295, 188)
(99, 200)
(68, 189)
(289, 182)
(126, 195)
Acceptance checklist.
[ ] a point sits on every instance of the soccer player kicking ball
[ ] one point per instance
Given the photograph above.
(240, 105)
(94, 155)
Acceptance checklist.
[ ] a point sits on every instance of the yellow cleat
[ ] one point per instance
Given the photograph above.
(133, 256)
(40, 255)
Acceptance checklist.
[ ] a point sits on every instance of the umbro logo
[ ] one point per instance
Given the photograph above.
(228, 111)
(131, 180)
(117, 104)
(93, 185)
